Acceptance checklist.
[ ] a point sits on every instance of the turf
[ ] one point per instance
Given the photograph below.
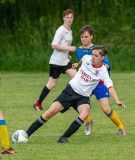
(20, 90)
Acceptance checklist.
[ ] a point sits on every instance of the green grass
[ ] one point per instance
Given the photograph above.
(20, 90)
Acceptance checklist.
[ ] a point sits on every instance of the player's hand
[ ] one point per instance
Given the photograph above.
(72, 48)
(74, 65)
(106, 66)
(69, 57)
(121, 104)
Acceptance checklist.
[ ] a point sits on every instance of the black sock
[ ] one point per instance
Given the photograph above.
(73, 127)
(37, 124)
(43, 94)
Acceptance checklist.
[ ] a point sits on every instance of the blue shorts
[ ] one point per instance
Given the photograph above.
(101, 91)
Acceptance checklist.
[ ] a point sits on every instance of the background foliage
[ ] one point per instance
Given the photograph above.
(27, 28)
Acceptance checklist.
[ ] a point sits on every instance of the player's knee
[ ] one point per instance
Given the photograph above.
(106, 109)
(84, 115)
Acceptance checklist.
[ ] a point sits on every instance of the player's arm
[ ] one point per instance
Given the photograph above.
(75, 65)
(64, 48)
(115, 96)
(109, 84)
(57, 41)
(69, 57)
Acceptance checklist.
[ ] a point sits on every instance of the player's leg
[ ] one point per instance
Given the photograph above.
(54, 74)
(83, 110)
(54, 109)
(69, 70)
(6, 149)
(112, 115)
(71, 73)
(88, 126)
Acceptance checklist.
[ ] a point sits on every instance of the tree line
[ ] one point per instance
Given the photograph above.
(27, 28)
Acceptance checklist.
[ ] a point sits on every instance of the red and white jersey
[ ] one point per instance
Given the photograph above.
(62, 37)
(88, 76)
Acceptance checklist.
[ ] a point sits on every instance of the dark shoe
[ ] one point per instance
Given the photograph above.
(8, 151)
(37, 106)
(62, 140)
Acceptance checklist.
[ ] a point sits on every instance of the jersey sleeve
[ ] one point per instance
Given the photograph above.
(79, 53)
(106, 79)
(57, 37)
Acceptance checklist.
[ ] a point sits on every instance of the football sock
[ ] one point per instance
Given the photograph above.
(4, 134)
(43, 94)
(115, 119)
(37, 124)
(88, 119)
(73, 127)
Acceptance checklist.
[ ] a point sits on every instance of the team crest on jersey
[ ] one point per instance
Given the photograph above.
(97, 72)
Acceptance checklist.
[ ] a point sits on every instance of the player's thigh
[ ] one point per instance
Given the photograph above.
(83, 110)
(71, 72)
(101, 91)
(104, 103)
(54, 109)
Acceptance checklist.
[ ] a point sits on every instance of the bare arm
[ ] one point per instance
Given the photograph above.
(65, 48)
(69, 57)
(106, 66)
(75, 65)
(115, 96)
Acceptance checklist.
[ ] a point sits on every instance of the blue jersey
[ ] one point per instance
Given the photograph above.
(80, 52)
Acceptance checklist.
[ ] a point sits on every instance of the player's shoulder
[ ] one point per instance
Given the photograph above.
(87, 57)
(80, 47)
(61, 28)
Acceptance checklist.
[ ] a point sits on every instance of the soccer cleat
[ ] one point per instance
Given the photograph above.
(122, 132)
(62, 140)
(37, 106)
(88, 128)
(8, 151)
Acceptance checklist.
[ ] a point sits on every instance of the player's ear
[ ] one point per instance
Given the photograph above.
(102, 57)
(91, 36)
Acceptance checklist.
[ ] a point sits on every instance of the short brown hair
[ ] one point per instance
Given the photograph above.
(68, 11)
(102, 50)
(87, 28)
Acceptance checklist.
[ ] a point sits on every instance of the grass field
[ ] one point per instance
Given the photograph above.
(20, 90)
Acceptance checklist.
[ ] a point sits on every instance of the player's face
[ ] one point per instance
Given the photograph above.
(68, 19)
(86, 39)
(96, 58)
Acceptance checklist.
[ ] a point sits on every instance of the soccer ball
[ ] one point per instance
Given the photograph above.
(19, 136)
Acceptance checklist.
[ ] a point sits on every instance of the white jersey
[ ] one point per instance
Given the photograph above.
(88, 76)
(63, 37)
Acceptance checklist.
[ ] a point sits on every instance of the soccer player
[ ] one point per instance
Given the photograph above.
(77, 93)
(6, 149)
(60, 60)
(101, 92)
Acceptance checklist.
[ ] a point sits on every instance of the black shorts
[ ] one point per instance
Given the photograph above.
(56, 70)
(69, 98)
